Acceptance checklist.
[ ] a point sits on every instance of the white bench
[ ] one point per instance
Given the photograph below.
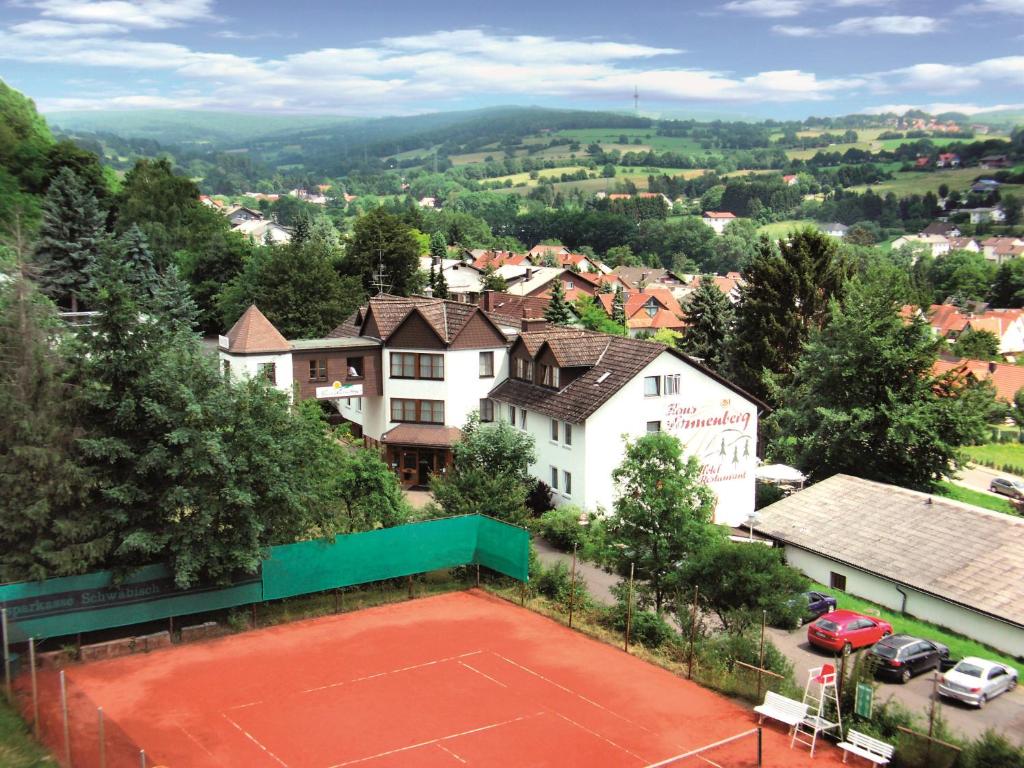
(878, 752)
(782, 709)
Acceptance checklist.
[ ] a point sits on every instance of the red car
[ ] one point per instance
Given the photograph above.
(846, 631)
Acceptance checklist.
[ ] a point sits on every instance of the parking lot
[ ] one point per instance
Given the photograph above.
(1004, 714)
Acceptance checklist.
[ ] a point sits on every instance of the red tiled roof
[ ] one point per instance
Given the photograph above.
(668, 315)
(1007, 379)
(495, 259)
(253, 333)
(446, 317)
(719, 215)
(946, 318)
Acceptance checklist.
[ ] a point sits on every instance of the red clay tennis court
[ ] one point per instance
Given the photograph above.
(462, 679)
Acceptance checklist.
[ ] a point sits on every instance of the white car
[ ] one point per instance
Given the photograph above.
(975, 681)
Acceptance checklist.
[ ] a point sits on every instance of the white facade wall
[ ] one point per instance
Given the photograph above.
(707, 417)
(598, 446)
(1001, 635)
(247, 367)
(558, 455)
(462, 389)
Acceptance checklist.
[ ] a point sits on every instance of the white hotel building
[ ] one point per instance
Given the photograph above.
(421, 365)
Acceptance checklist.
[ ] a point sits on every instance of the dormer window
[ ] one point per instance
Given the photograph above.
(549, 376)
(651, 307)
(524, 369)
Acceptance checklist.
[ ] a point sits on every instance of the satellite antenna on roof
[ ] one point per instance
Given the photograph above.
(380, 280)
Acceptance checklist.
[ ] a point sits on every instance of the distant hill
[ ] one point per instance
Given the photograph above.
(189, 127)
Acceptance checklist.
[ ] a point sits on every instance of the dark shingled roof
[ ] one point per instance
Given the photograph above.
(611, 362)
(446, 317)
(965, 554)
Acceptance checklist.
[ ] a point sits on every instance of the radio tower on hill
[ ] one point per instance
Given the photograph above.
(636, 98)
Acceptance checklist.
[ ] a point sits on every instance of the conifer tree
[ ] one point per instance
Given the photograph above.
(709, 315)
(70, 238)
(619, 307)
(438, 248)
(557, 312)
(39, 478)
(134, 248)
(432, 278)
(300, 232)
(441, 285)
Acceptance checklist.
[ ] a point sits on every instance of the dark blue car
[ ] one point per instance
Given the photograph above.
(818, 604)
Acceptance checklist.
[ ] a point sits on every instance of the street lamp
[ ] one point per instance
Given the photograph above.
(752, 520)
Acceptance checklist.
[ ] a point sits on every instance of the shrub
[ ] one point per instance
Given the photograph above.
(991, 750)
(646, 627)
(561, 527)
(555, 583)
(538, 501)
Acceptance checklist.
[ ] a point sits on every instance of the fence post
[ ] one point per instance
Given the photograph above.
(693, 633)
(64, 713)
(572, 585)
(254, 615)
(931, 717)
(759, 743)
(478, 574)
(760, 658)
(102, 735)
(7, 653)
(411, 594)
(142, 758)
(35, 687)
(629, 606)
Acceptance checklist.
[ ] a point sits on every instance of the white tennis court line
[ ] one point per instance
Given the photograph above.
(436, 741)
(443, 748)
(255, 741)
(245, 706)
(574, 693)
(482, 674)
(196, 741)
(393, 671)
(603, 738)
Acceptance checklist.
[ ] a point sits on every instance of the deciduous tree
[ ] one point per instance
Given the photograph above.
(663, 513)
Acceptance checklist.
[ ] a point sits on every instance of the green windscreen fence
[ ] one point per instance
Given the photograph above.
(95, 601)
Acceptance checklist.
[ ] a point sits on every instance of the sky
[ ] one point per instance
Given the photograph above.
(752, 58)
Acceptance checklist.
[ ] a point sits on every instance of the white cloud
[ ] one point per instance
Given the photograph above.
(997, 6)
(772, 9)
(143, 14)
(47, 28)
(1003, 71)
(886, 25)
(782, 29)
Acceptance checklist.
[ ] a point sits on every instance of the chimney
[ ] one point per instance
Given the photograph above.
(534, 324)
(488, 299)
(993, 367)
(529, 273)
(428, 292)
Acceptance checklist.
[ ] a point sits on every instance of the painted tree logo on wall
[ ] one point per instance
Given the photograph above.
(718, 433)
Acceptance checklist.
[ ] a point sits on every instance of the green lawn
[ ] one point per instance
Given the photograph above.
(17, 747)
(778, 229)
(648, 138)
(977, 498)
(959, 646)
(906, 183)
(998, 454)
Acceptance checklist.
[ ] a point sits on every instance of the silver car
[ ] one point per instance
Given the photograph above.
(975, 681)
(1007, 487)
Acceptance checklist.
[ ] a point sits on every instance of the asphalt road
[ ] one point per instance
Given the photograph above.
(977, 478)
(1004, 714)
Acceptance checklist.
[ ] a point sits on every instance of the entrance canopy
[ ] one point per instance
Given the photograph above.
(779, 473)
(422, 435)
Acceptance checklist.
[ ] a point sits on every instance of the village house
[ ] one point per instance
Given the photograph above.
(834, 229)
(1006, 378)
(465, 282)
(647, 311)
(994, 214)
(948, 322)
(261, 231)
(790, 179)
(936, 244)
(237, 214)
(943, 228)
(948, 160)
(1000, 249)
(405, 373)
(579, 392)
(996, 161)
(718, 220)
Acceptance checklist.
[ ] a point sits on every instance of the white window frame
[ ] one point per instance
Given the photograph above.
(522, 419)
(672, 385)
(555, 430)
(657, 386)
(566, 482)
(554, 478)
(567, 435)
